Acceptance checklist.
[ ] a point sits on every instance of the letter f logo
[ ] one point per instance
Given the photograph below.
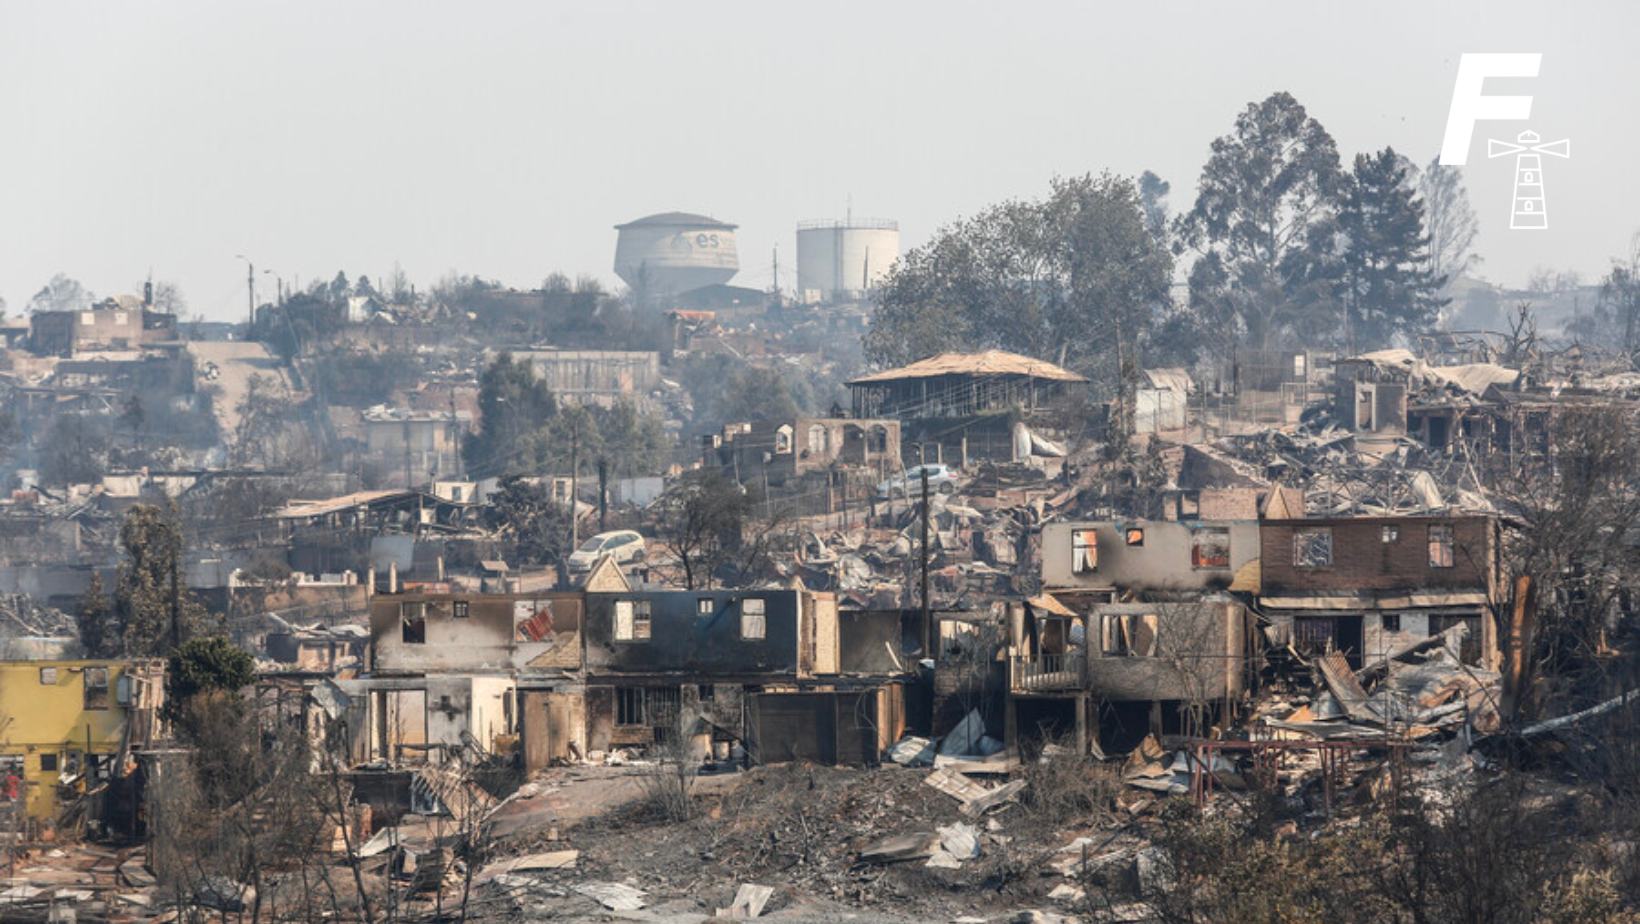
(1470, 105)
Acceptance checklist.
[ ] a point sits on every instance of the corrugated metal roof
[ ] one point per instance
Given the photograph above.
(1476, 378)
(298, 509)
(989, 362)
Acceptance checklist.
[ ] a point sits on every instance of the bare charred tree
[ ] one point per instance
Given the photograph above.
(700, 523)
(1577, 506)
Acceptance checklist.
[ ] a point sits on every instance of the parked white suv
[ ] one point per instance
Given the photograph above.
(909, 484)
(623, 545)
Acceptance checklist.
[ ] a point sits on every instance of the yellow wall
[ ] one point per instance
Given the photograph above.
(43, 712)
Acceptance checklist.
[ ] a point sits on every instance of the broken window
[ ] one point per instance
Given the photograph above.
(817, 439)
(1210, 548)
(1190, 505)
(48, 763)
(879, 439)
(1440, 546)
(413, 623)
(1391, 622)
(783, 439)
(48, 676)
(631, 620)
(1129, 634)
(629, 706)
(96, 688)
(706, 693)
(458, 609)
(1389, 534)
(1084, 551)
(752, 623)
(1313, 548)
(1135, 536)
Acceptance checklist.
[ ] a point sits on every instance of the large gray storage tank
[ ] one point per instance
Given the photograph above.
(674, 252)
(843, 260)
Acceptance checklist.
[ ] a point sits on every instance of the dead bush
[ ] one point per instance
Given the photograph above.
(1062, 785)
(1231, 866)
(669, 782)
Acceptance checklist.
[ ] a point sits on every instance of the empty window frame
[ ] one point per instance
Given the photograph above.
(1084, 551)
(458, 609)
(1313, 548)
(753, 624)
(413, 623)
(632, 620)
(1389, 534)
(48, 763)
(1391, 622)
(1441, 552)
(96, 687)
(630, 706)
(1210, 549)
(1129, 634)
(1134, 536)
(705, 606)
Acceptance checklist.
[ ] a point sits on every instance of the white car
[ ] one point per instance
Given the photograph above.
(623, 545)
(940, 479)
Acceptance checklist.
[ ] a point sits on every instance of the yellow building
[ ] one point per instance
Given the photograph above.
(71, 719)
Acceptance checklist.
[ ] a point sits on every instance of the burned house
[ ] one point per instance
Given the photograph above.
(781, 451)
(775, 672)
(960, 406)
(1370, 391)
(1110, 673)
(416, 446)
(1368, 586)
(123, 323)
(450, 672)
(1093, 561)
(1136, 631)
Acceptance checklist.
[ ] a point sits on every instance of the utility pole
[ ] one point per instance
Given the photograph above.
(927, 625)
(574, 465)
(603, 492)
(176, 591)
(250, 283)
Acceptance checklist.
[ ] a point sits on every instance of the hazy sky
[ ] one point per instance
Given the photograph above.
(505, 139)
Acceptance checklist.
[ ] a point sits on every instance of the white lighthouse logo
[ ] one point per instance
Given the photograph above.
(1528, 210)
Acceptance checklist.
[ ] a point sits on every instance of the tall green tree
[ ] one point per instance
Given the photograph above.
(1385, 282)
(95, 620)
(513, 405)
(1076, 277)
(537, 525)
(1265, 200)
(153, 609)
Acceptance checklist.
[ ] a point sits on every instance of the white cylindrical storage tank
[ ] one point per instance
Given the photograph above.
(843, 260)
(675, 252)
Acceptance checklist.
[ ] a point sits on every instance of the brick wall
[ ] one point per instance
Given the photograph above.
(1362, 559)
